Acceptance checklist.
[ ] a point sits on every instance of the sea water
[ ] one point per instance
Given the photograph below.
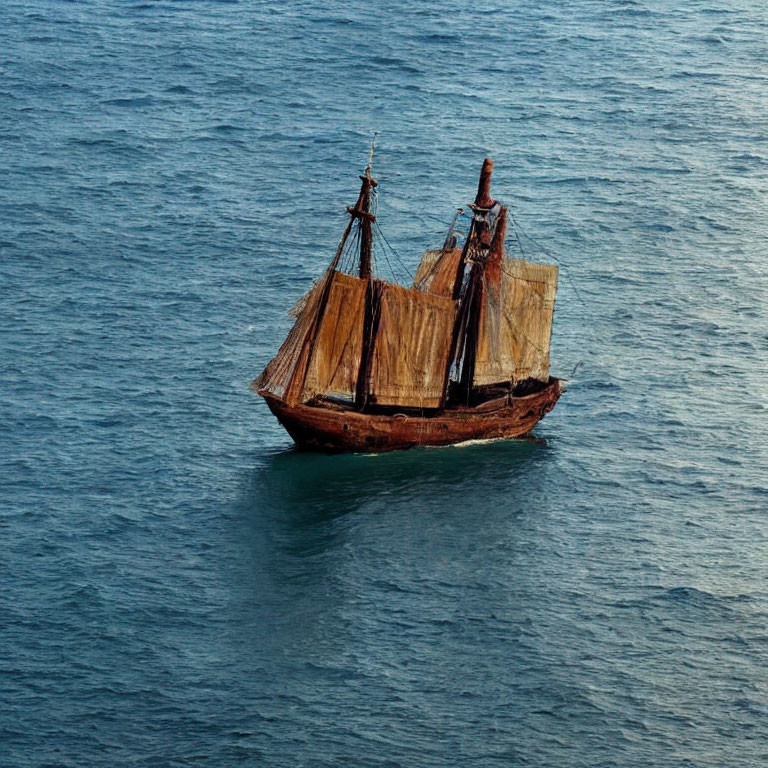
(178, 587)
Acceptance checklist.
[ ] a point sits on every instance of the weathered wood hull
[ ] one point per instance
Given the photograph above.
(325, 427)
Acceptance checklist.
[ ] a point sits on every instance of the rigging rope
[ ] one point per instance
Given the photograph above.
(400, 262)
(560, 262)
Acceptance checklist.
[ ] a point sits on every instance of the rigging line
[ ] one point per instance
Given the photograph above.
(394, 252)
(431, 216)
(403, 275)
(398, 274)
(517, 236)
(395, 277)
(536, 242)
(374, 262)
(354, 254)
(562, 262)
(344, 260)
(373, 207)
(347, 245)
(406, 271)
(349, 254)
(524, 279)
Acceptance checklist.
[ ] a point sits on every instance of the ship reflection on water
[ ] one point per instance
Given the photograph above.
(370, 573)
(319, 528)
(306, 488)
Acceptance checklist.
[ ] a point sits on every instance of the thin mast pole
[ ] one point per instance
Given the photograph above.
(366, 236)
(370, 315)
(479, 227)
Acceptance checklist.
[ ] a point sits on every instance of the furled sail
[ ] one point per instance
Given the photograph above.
(290, 360)
(323, 348)
(437, 272)
(515, 323)
(411, 348)
(336, 352)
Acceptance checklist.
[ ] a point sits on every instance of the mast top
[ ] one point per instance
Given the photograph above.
(484, 199)
(366, 176)
(370, 157)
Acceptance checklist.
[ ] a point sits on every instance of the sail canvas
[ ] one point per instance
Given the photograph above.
(516, 324)
(437, 272)
(411, 348)
(336, 351)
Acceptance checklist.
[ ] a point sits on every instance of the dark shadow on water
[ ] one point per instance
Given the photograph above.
(299, 506)
(304, 488)
(314, 527)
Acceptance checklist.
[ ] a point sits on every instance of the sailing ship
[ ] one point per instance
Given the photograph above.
(462, 354)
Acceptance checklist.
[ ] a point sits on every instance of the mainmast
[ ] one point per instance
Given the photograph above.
(362, 212)
(479, 232)
(475, 252)
(484, 272)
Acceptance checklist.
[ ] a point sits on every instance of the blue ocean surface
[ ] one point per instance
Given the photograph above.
(181, 588)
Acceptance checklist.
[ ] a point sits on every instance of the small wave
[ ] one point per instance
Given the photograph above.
(387, 61)
(336, 21)
(710, 39)
(93, 142)
(687, 593)
(753, 707)
(700, 598)
(686, 74)
(438, 37)
(135, 101)
(636, 11)
(574, 180)
(227, 128)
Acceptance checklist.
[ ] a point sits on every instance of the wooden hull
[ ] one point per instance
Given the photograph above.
(335, 428)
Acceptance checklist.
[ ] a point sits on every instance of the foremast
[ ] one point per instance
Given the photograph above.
(360, 212)
(366, 218)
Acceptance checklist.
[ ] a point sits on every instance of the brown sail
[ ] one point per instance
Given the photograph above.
(437, 272)
(276, 378)
(516, 324)
(411, 348)
(285, 375)
(335, 356)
